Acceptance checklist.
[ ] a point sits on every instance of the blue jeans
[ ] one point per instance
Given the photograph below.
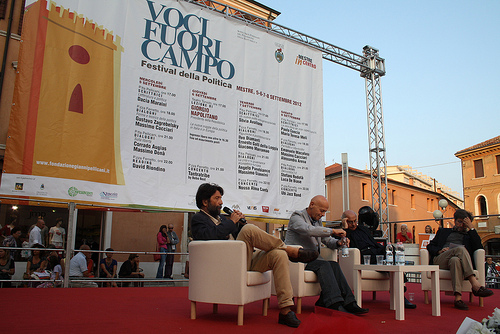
(334, 287)
(159, 272)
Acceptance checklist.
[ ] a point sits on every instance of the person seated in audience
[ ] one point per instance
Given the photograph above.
(55, 272)
(428, 229)
(37, 263)
(130, 269)
(404, 236)
(108, 267)
(453, 249)
(78, 267)
(7, 268)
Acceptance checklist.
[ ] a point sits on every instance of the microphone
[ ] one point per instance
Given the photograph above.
(229, 212)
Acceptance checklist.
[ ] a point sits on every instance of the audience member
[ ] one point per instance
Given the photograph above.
(404, 236)
(428, 229)
(272, 253)
(452, 249)
(305, 228)
(362, 239)
(108, 268)
(172, 241)
(57, 234)
(37, 263)
(78, 267)
(130, 269)
(55, 270)
(7, 268)
(13, 241)
(35, 235)
(7, 229)
(162, 239)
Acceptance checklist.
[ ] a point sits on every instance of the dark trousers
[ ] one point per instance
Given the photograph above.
(334, 287)
(169, 264)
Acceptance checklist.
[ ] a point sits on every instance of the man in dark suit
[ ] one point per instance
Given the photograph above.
(452, 249)
(273, 254)
(361, 238)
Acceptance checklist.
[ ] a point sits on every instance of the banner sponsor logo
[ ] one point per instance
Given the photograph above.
(108, 196)
(19, 186)
(73, 191)
(265, 209)
(304, 61)
(279, 55)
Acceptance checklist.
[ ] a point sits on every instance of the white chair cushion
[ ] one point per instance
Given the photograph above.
(310, 277)
(257, 278)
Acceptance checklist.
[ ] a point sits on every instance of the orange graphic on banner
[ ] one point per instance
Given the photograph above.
(72, 117)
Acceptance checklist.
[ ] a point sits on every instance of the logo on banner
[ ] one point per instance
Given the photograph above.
(265, 209)
(252, 207)
(108, 196)
(73, 191)
(19, 186)
(279, 55)
(304, 61)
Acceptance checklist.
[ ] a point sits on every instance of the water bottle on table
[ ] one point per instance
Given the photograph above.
(344, 249)
(389, 258)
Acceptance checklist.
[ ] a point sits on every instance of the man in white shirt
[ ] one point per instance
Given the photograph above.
(36, 232)
(78, 268)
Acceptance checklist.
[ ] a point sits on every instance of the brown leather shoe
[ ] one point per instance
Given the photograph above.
(461, 305)
(482, 292)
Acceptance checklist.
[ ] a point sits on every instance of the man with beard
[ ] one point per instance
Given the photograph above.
(272, 253)
(452, 249)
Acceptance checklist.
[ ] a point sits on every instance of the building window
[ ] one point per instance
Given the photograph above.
(498, 164)
(481, 205)
(429, 204)
(478, 168)
(3, 9)
(364, 191)
(412, 201)
(392, 197)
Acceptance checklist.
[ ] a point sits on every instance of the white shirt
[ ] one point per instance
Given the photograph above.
(35, 236)
(78, 265)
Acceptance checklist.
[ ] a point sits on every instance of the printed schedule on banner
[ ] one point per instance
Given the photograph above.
(162, 96)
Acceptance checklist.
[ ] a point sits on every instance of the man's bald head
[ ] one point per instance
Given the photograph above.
(318, 207)
(83, 249)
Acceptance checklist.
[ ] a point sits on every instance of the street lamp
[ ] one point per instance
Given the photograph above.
(438, 214)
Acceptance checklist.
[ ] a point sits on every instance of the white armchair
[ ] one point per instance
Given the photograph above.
(371, 280)
(305, 282)
(445, 276)
(218, 275)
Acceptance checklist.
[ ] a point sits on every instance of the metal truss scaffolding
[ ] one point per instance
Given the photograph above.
(371, 68)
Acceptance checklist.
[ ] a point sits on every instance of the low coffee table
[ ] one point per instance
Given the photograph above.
(397, 285)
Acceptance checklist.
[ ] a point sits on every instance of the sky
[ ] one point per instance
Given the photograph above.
(441, 88)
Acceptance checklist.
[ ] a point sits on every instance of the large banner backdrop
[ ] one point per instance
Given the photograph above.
(138, 102)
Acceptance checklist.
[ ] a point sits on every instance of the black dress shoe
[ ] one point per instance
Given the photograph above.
(482, 292)
(409, 305)
(289, 319)
(355, 309)
(305, 255)
(460, 305)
